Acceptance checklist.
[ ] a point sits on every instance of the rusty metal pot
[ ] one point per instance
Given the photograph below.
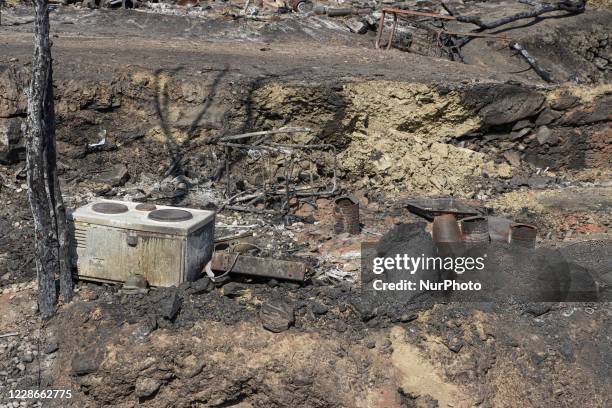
(475, 230)
(523, 235)
(446, 229)
(346, 216)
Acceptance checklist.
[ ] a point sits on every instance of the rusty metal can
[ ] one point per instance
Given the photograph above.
(445, 229)
(346, 216)
(523, 235)
(475, 230)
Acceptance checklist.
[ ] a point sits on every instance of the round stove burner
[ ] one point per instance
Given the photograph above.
(146, 207)
(109, 208)
(170, 215)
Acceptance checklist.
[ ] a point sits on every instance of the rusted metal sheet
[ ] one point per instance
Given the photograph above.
(252, 265)
(431, 207)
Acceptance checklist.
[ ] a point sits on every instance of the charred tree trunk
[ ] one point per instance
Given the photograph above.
(51, 236)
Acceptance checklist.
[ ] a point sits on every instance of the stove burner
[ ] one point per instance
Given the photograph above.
(109, 208)
(170, 215)
(146, 207)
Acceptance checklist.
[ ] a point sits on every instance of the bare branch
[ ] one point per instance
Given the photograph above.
(532, 62)
(573, 7)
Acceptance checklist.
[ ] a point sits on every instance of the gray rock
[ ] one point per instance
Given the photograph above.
(145, 387)
(543, 134)
(514, 158)
(600, 63)
(454, 344)
(511, 106)
(357, 26)
(170, 305)
(319, 308)
(546, 117)
(519, 134)
(408, 317)
(52, 346)
(234, 289)
(27, 358)
(144, 328)
(522, 124)
(277, 316)
(83, 364)
(191, 366)
(564, 102)
(115, 176)
(201, 286)
(596, 111)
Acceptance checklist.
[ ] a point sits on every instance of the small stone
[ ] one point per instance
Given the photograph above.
(516, 135)
(546, 117)
(408, 317)
(27, 358)
(341, 327)
(522, 124)
(537, 309)
(202, 285)
(357, 26)
(514, 158)
(145, 387)
(454, 344)
(600, 63)
(21, 367)
(192, 366)
(170, 305)
(543, 134)
(143, 329)
(277, 316)
(319, 308)
(371, 344)
(115, 176)
(234, 289)
(185, 286)
(83, 364)
(564, 102)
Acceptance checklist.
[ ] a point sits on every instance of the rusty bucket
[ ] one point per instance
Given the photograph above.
(446, 229)
(523, 235)
(475, 230)
(346, 216)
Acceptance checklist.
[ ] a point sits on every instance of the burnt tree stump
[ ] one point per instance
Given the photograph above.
(50, 229)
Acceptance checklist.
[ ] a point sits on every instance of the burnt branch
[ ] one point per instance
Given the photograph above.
(572, 7)
(533, 63)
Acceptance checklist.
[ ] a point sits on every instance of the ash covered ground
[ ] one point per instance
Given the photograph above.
(142, 94)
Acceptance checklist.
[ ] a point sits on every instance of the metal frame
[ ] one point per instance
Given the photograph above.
(275, 189)
(395, 12)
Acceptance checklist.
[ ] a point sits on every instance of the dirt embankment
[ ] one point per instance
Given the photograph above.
(339, 351)
(390, 136)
